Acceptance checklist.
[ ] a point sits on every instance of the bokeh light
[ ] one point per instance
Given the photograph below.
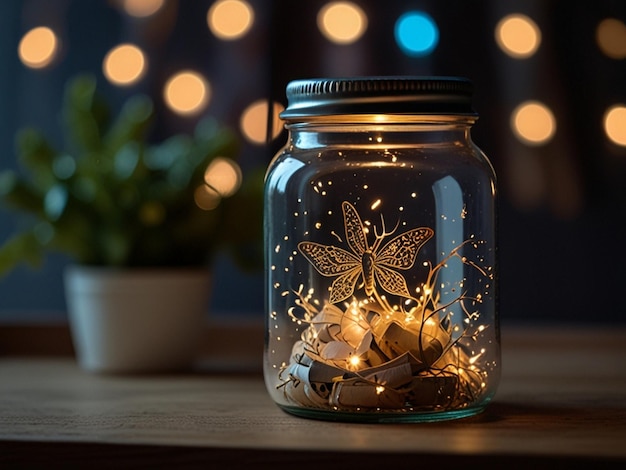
(253, 122)
(124, 65)
(38, 47)
(223, 175)
(206, 198)
(142, 8)
(615, 124)
(518, 36)
(533, 123)
(342, 22)
(416, 33)
(187, 93)
(230, 19)
(611, 38)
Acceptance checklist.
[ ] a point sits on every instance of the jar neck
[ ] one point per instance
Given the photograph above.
(380, 130)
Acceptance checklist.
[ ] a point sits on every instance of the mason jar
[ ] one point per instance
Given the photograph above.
(380, 239)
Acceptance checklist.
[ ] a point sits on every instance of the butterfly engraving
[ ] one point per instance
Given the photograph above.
(375, 265)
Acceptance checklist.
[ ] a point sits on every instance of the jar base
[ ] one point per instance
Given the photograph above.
(382, 416)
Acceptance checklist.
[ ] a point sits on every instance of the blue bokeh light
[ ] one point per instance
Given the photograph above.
(416, 33)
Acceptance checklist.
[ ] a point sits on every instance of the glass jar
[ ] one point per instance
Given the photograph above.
(380, 244)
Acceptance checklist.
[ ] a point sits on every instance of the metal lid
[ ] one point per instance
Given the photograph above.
(378, 95)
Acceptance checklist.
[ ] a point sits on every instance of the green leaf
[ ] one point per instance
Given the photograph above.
(131, 123)
(84, 113)
(37, 156)
(55, 202)
(18, 195)
(126, 159)
(20, 248)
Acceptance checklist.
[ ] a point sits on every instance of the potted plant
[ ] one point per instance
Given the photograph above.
(140, 220)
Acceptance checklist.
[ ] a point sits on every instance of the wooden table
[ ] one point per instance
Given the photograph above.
(561, 402)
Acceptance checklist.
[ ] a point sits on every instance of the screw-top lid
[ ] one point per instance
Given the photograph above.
(378, 95)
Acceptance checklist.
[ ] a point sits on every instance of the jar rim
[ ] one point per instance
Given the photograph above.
(379, 95)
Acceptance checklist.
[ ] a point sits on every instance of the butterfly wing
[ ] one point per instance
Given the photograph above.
(401, 251)
(333, 261)
(391, 281)
(343, 286)
(355, 235)
(328, 260)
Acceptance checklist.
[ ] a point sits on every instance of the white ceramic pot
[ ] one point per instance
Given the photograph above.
(136, 320)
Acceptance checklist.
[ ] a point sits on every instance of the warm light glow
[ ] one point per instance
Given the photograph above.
(611, 38)
(124, 64)
(187, 93)
(253, 121)
(141, 8)
(230, 19)
(38, 47)
(224, 176)
(354, 360)
(206, 198)
(416, 33)
(533, 123)
(518, 36)
(342, 22)
(615, 124)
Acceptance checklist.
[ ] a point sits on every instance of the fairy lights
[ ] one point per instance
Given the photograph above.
(124, 64)
(518, 36)
(360, 349)
(533, 123)
(187, 93)
(342, 22)
(230, 19)
(38, 47)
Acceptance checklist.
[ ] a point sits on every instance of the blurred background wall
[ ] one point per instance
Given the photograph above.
(550, 79)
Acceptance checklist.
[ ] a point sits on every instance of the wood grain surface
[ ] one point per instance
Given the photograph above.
(561, 402)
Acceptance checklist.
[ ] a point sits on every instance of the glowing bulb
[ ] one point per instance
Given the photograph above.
(354, 360)
(124, 64)
(253, 121)
(142, 8)
(38, 47)
(379, 389)
(187, 93)
(533, 123)
(615, 124)
(342, 22)
(223, 175)
(230, 19)
(518, 36)
(611, 38)
(416, 33)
